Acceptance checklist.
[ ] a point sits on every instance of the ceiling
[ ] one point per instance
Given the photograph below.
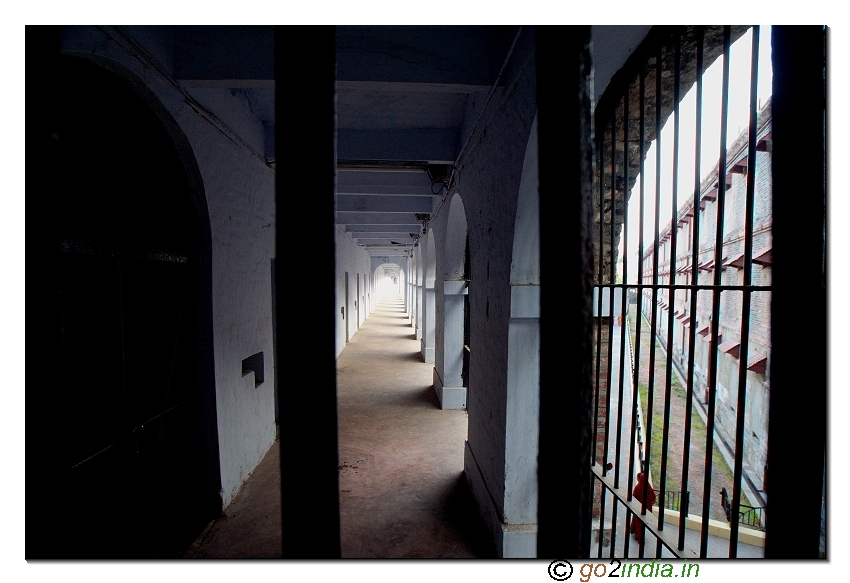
(407, 99)
(404, 94)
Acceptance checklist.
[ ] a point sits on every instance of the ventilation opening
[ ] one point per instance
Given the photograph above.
(254, 364)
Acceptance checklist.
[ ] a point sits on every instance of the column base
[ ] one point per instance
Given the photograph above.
(427, 353)
(512, 541)
(449, 397)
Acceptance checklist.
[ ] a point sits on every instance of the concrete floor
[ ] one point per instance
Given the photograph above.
(402, 490)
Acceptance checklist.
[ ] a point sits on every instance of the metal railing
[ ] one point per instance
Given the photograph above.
(750, 516)
(673, 499)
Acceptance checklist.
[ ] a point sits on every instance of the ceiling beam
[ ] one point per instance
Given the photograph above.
(359, 218)
(465, 55)
(409, 87)
(401, 227)
(394, 235)
(434, 145)
(225, 56)
(383, 204)
(386, 241)
(381, 251)
(371, 181)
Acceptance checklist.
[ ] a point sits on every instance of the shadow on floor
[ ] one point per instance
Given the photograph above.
(412, 356)
(462, 514)
(426, 396)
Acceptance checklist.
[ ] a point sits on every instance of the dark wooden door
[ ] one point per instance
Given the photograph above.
(125, 232)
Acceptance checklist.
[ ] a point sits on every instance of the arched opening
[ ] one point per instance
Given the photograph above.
(428, 300)
(523, 382)
(419, 281)
(135, 389)
(390, 280)
(451, 356)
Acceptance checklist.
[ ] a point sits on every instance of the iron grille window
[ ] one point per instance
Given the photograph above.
(682, 298)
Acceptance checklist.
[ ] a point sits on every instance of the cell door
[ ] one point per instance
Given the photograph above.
(128, 265)
(346, 313)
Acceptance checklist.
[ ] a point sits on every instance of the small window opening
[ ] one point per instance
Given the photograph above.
(254, 364)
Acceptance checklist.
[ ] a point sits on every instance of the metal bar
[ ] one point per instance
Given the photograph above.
(640, 275)
(668, 381)
(600, 154)
(689, 394)
(624, 297)
(601, 518)
(613, 542)
(745, 306)
(666, 539)
(715, 311)
(654, 310)
(639, 310)
(598, 322)
(626, 538)
(612, 278)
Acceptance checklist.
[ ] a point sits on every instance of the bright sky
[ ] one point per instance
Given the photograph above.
(738, 119)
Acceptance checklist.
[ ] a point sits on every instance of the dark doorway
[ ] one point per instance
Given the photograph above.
(467, 277)
(346, 312)
(133, 433)
(357, 301)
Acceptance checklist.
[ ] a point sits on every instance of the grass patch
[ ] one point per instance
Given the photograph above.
(722, 473)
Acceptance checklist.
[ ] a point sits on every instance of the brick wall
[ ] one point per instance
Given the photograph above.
(731, 301)
(600, 349)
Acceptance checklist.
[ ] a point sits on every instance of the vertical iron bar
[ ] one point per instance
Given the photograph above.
(600, 536)
(746, 299)
(613, 541)
(598, 288)
(623, 320)
(689, 396)
(624, 298)
(715, 310)
(654, 308)
(639, 296)
(640, 290)
(612, 279)
(668, 381)
(610, 323)
(598, 323)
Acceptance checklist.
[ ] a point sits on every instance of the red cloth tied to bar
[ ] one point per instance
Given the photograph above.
(636, 527)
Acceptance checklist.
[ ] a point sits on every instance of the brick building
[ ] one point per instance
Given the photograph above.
(680, 270)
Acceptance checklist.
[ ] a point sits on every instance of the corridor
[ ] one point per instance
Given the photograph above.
(402, 492)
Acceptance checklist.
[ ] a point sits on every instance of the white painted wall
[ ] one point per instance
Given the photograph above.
(354, 260)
